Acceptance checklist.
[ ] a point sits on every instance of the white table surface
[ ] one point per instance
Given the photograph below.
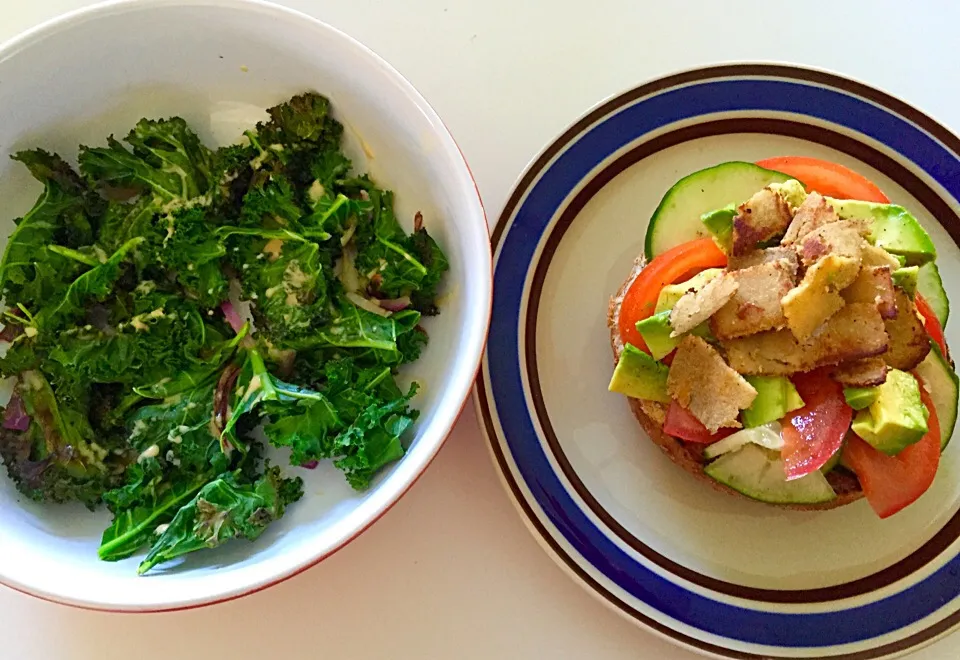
(451, 572)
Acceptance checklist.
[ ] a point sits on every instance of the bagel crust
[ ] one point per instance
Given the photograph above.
(688, 455)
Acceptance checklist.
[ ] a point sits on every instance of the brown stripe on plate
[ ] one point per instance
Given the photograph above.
(843, 143)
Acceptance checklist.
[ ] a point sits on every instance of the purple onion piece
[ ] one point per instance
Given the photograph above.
(231, 315)
(15, 416)
(310, 465)
(395, 304)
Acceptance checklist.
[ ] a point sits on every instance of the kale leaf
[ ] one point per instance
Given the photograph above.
(224, 509)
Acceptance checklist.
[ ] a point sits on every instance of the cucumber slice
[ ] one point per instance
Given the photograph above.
(677, 219)
(930, 287)
(759, 475)
(941, 383)
(767, 436)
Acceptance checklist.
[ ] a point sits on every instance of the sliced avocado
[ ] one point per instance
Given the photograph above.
(656, 330)
(859, 398)
(794, 402)
(897, 419)
(792, 192)
(890, 227)
(671, 293)
(906, 278)
(720, 224)
(775, 396)
(639, 376)
(759, 474)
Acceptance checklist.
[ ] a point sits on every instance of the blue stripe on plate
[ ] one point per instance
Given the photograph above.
(504, 366)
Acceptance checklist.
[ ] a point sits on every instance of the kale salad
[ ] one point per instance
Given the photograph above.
(171, 309)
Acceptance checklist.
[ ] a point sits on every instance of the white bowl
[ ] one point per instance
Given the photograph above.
(218, 64)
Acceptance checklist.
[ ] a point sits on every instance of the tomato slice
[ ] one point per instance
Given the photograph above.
(680, 423)
(893, 482)
(827, 178)
(674, 265)
(931, 323)
(814, 433)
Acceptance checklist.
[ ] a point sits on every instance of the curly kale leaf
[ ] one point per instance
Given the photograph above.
(194, 253)
(357, 421)
(224, 509)
(304, 118)
(395, 264)
(428, 253)
(167, 161)
(57, 458)
(255, 385)
(282, 272)
(29, 273)
(96, 283)
(178, 456)
(165, 340)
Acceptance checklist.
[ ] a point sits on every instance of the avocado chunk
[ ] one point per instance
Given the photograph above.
(832, 462)
(639, 376)
(776, 396)
(656, 330)
(890, 227)
(906, 278)
(859, 398)
(719, 223)
(897, 419)
(792, 192)
(794, 402)
(671, 293)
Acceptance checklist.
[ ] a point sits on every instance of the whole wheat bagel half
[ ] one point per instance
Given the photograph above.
(689, 456)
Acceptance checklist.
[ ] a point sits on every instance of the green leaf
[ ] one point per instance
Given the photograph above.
(193, 252)
(123, 221)
(25, 263)
(188, 380)
(178, 455)
(255, 385)
(435, 261)
(271, 205)
(96, 283)
(281, 271)
(307, 427)
(56, 458)
(224, 509)
(353, 327)
(133, 528)
(303, 118)
(167, 161)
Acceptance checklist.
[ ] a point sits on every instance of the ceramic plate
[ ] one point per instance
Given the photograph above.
(721, 575)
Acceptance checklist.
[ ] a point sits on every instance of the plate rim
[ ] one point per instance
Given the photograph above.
(522, 186)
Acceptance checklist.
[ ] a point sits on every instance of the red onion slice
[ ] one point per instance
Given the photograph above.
(231, 315)
(15, 416)
(395, 304)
